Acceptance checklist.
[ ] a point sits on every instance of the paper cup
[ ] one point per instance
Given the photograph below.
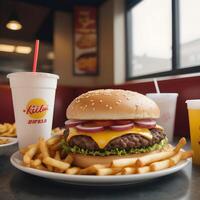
(33, 95)
(194, 121)
(167, 105)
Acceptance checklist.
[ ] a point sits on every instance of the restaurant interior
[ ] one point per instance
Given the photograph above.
(147, 46)
(129, 46)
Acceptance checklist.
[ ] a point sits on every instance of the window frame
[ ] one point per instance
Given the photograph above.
(176, 69)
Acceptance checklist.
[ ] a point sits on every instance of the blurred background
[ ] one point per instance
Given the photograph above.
(136, 39)
(24, 21)
(21, 23)
(103, 44)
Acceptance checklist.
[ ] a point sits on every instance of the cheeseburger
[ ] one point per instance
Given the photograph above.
(104, 125)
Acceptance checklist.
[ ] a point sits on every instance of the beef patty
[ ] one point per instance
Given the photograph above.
(127, 141)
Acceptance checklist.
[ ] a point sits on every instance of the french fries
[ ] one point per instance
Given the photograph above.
(4, 141)
(7, 130)
(35, 163)
(57, 155)
(29, 154)
(23, 150)
(148, 159)
(128, 170)
(108, 171)
(43, 148)
(92, 170)
(157, 166)
(53, 140)
(143, 170)
(181, 144)
(46, 155)
(176, 158)
(57, 131)
(56, 163)
(73, 170)
(68, 159)
(124, 162)
(186, 154)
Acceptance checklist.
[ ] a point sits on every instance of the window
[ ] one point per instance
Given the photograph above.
(163, 37)
(151, 37)
(189, 33)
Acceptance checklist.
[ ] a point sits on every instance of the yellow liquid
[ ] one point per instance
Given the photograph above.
(194, 119)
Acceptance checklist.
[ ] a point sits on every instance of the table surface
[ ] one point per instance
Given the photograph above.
(16, 185)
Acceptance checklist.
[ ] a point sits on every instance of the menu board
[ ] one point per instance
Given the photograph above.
(85, 40)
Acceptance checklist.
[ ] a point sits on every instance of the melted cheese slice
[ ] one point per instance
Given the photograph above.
(102, 138)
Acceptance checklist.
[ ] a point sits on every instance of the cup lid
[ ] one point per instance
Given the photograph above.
(193, 103)
(33, 80)
(28, 74)
(162, 93)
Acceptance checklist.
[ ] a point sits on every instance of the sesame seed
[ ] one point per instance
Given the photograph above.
(93, 104)
(93, 109)
(91, 100)
(100, 100)
(107, 105)
(110, 107)
(117, 102)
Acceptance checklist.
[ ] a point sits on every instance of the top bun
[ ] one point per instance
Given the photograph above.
(111, 104)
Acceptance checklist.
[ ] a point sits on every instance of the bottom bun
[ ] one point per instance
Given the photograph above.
(83, 161)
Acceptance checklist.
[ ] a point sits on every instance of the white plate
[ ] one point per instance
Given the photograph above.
(12, 141)
(16, 160)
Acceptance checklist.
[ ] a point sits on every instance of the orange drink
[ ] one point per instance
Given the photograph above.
(194, 121)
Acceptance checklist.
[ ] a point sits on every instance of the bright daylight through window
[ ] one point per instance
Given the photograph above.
(189, 33)
(163, 38)
(151, 37)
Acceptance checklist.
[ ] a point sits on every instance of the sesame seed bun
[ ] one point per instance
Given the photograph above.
(112, 104)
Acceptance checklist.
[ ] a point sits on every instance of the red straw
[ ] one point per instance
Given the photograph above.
(35, 55)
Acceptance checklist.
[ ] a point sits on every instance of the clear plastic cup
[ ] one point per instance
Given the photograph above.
(33, 95)
(194, 121)
(167, 104)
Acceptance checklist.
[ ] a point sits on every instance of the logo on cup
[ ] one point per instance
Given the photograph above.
(36, 109)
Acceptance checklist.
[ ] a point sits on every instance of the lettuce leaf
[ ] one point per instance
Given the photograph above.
(116, 151)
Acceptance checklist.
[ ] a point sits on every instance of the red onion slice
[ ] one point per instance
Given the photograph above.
(122, 122)
(145, 123)
(122, 127)
(89, 129)
(72, 123)
(103, 123)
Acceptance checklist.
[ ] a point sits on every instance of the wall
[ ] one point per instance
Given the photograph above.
(119, 42)
(186, 87)
(111, 47)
